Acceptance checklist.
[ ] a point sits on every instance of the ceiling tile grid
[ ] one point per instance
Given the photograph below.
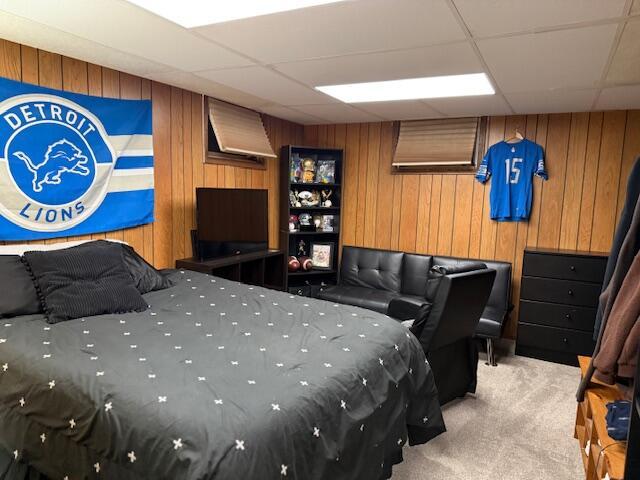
(543, 55)
(543, 61)
(488, 18)
(343, 28)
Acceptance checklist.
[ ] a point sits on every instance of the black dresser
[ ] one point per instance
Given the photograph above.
(558, 301)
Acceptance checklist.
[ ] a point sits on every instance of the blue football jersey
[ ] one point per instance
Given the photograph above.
(512, 166)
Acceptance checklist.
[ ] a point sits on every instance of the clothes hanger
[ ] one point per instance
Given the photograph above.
(517, 136)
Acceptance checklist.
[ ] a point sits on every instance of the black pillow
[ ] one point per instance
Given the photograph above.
(145, 277)
(18, 295)
(83, 281)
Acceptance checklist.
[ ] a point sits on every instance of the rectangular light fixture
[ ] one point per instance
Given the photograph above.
(196, 13)
(412, 88)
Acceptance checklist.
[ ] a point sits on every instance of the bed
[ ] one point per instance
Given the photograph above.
(216, 379)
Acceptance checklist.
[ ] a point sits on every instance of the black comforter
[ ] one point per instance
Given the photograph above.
(217, 379)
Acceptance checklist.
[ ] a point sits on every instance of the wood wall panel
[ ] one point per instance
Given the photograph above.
(178, 146)
(589, 156)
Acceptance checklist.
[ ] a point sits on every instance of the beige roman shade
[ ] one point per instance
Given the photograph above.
(239, 130)
(434, 143)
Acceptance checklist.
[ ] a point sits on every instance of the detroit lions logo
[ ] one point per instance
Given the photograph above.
(56, 162)
(61, 157)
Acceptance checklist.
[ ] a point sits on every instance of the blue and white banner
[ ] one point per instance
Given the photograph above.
(72, 164)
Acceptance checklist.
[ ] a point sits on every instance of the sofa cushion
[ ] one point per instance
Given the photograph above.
(364, 297)
(415, 269)
(378, 269)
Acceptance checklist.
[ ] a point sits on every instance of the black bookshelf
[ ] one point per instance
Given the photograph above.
(311, 281)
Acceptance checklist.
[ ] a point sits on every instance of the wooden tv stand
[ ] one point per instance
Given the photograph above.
(601, 455)
(265, 268)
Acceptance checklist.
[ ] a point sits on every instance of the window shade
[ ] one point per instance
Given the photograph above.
(239, 130)
(425, 143)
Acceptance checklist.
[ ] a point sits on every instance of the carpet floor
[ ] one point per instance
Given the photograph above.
(518, 426)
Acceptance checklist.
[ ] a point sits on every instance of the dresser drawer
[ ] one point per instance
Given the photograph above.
(555, 339)
(564, 267)
(557, 315)
(560, 291)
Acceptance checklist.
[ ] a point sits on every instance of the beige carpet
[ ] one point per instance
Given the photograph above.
(518, 426)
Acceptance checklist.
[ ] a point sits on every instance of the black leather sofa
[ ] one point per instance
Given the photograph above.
(401, 284)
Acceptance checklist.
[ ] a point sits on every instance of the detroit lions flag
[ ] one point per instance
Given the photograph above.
(72, 164)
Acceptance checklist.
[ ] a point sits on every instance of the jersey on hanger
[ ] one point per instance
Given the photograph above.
(512, 166)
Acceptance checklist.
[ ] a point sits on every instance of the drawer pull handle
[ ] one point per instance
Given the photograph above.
(572, 268)
(567, 316)
(565, 340)
(570, 292)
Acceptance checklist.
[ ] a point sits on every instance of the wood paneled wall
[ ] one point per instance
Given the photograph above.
(178, 146)
(588, 158)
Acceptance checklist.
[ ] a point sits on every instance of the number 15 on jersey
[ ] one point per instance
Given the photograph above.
(512, 166)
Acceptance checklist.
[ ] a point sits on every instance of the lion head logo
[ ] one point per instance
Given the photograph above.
(61, 157)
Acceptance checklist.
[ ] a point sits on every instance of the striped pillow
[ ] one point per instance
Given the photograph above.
(83, 281)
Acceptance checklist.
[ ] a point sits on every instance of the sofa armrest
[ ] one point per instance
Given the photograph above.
(405, 308)
(457, 307)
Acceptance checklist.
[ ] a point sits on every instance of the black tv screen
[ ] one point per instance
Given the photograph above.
(231, 221)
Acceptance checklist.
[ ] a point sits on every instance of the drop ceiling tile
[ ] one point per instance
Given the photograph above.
(625, 65)
(291, 115)
(471, 106)
(541, 61)
(339, 29)
(337, 113)
(619, 98)
(267, 84)
(27, 32)
(489, 18)
(402, 110)
(552, 101)
(128, 28)
(192, 82)
(450, 59)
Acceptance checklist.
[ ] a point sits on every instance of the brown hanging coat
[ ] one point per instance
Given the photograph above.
(619, 349)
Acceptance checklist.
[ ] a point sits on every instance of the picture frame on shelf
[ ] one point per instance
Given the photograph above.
(326, 171)
(322, 255)
(329, 223)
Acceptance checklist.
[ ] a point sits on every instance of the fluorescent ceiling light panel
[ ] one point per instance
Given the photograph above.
(196, 13)
(412, 88)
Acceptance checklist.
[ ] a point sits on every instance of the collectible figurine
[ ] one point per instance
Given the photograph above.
(293, 223)
(296, 168)
(305, 222)
(294, 200)
(326, 171)
(317, 222)
(302, 248)
(325, 198)
(308, 199)
(308, 170)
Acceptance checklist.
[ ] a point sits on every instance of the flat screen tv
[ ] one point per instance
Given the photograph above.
(230, 221)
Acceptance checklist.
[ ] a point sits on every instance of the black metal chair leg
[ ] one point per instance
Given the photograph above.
(491, 355)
